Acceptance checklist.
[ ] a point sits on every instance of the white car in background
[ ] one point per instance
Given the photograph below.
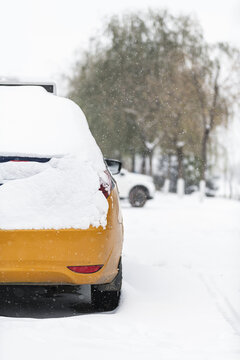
(137, 188)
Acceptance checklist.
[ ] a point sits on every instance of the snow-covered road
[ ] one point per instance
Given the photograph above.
(180, 299)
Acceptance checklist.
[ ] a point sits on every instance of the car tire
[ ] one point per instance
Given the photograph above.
(104, 299)
(138, 197)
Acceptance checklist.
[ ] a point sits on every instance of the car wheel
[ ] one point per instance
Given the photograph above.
(137, 197)
(106, 297)
(105, 300)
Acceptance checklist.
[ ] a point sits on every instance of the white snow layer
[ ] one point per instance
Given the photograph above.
(63, 193)
(18, 170)
(180, 299)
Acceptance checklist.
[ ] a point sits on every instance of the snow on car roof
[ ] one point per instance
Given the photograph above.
(33, 121)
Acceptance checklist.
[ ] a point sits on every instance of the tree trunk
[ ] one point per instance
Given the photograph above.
(203, 166)
(180, 180)
(143, 170)
(202, 189)
(133, 161)
(169, 164)
(166, 186)
(180, 162)
(150, 155)
(230, 186)
(180, 187)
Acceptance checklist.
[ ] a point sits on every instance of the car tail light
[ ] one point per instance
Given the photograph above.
(106, 184)
(89, 269)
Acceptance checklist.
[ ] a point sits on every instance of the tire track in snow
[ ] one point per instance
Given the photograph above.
(222, 303)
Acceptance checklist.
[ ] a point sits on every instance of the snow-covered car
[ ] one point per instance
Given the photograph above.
(60, 220)
(137, 188)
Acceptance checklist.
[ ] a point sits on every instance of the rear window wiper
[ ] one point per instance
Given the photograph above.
(23, 158)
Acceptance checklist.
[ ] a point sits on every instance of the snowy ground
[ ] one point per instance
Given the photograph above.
(181, 292)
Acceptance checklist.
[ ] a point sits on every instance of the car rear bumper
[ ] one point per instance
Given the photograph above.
(43, 256)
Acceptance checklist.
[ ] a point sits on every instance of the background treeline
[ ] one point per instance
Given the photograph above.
(151, 86)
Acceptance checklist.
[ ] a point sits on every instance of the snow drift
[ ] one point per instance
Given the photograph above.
(62, 193)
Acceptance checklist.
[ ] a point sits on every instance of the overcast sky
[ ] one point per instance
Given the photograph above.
(41, 38)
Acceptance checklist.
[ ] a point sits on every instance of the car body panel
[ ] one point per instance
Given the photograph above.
(127, 181)
(42, 256)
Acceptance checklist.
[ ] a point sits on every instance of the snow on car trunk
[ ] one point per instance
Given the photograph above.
(17, 169)
(63, 192)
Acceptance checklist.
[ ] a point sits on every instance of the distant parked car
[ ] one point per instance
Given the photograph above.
(137, 188)
(211, 188)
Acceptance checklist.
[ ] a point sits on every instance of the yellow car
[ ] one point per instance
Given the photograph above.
(32, 254)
